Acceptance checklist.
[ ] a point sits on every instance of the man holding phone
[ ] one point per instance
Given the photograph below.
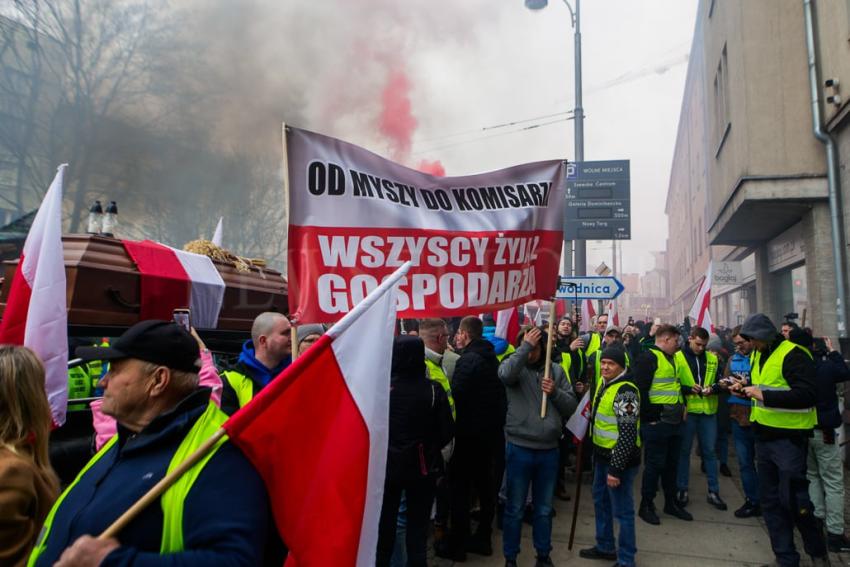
(784, 395)
(738, 372)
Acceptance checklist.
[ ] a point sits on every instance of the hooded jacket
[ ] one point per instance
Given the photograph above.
(225, 522)
(479, 395)
(249, 366)
(522, 381)
(421, 420)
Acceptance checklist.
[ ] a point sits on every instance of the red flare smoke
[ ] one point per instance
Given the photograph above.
(397, 122)
(433, 167)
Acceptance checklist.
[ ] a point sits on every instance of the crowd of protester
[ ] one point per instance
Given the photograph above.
(477, 440)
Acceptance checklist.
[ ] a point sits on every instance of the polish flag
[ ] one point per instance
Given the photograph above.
(318, 436)
(507, 324)
(587, 315)
(613, 315)
(36, 313)
(700, 309)
(172, 279)
(580, 420)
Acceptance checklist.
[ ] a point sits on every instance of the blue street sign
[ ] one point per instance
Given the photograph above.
(589, 287)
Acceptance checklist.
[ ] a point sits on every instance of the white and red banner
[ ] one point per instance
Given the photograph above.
(507, 324)
(172, 279)
(587, 315)
(700, 309)
(477, 243)
(613, 315)
(580, 420)
(36, 312)
(329, 413)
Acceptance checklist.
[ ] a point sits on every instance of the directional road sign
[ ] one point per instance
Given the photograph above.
(598, 203)
(589, 287)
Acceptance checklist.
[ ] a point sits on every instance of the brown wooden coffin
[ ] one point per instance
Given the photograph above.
(104, 286)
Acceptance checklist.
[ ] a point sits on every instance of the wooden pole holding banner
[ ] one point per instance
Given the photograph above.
(287, 200)
(160, 487)
(547, 369)
(579, 451)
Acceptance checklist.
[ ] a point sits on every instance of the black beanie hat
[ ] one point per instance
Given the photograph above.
(615, 354)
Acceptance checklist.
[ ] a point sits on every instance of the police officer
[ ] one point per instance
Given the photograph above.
(663, 410)
(784, 394)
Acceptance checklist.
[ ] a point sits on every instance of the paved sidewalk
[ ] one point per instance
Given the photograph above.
(714, 538)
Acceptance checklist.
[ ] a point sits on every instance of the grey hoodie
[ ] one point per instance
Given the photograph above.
(523, 426)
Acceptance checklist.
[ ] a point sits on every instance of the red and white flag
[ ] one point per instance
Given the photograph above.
(580, 420)
(587, 315)
(700, 309)
(36, 313)
(507, 324)
(318, 436)
(172, 279)
(613, 315)
(479, 243)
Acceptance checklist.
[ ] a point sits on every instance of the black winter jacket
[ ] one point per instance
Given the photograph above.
(830, 370)
(420, 417)
(479, 395)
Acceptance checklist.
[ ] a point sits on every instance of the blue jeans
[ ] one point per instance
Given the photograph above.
(539, 468)
(399, 558)
(706, 427)
(745, 449)
(619, 503)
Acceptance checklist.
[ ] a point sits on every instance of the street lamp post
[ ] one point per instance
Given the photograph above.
(580, 263)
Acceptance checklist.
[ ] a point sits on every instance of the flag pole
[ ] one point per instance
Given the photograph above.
(547, 369)
(579, 452)
(287, 200)
(160, 487)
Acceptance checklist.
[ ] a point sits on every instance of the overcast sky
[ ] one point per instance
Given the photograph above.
(468, 66)
(477, 64)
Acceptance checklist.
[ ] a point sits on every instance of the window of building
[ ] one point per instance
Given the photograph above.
(721, 101)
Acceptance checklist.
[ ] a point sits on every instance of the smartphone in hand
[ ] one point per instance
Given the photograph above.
(182, 318)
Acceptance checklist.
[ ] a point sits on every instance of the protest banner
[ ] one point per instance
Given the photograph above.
(477, 243)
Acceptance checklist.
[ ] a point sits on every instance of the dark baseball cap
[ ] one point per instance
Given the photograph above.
(160, 342)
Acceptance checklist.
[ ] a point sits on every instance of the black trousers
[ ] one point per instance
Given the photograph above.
(784, 494)
(476, 468)
(662, 443)
(419, 495)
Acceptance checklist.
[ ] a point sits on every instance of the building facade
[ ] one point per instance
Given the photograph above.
(748, 182)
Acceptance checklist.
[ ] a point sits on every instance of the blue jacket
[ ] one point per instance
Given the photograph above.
(225, 519)
(500, 345)
(258, 370)
(740, 364)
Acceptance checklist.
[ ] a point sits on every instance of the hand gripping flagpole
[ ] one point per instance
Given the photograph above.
(169, 479)
(547, 371)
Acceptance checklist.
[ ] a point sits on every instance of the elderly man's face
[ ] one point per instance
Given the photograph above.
(126, 389)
